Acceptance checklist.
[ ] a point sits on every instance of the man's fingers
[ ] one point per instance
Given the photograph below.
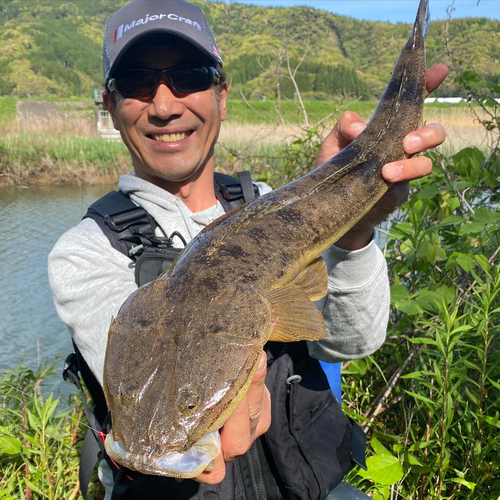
(257, 397)
(407, 170)
(349, 126)
(244, 425)
(265, 418)
(216, 475)
(251, 419)
(427, 137)
(435, 77)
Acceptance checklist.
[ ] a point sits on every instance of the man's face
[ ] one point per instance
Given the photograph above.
(170, 137)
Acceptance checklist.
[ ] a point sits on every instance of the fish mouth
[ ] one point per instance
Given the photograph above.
(173, 463)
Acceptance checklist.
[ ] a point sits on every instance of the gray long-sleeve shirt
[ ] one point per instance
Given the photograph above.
(90, 280)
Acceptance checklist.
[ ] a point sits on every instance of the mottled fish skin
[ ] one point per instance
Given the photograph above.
(183, 349)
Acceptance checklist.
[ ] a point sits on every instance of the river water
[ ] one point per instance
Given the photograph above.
(31, 221)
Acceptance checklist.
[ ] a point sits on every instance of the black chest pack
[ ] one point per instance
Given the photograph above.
(310, 445)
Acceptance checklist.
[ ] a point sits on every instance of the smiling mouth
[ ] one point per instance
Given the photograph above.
(170, 137)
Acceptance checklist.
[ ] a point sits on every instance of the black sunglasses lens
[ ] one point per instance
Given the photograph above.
(136, 83)
(190, 78)
(183, 79)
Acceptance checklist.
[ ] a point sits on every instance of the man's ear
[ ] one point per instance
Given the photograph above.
(223, 101)
(108, 102)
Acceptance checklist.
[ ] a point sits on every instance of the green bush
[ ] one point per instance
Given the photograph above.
(40, 439)
(432, 393)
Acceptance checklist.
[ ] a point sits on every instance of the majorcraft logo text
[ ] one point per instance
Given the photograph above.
(123, 28)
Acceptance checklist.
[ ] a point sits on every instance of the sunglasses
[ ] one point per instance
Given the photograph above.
(186, 79)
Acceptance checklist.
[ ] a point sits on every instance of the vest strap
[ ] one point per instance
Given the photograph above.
(246, 185)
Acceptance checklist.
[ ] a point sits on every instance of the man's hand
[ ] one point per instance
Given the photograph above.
(250, 420)
(350, 126)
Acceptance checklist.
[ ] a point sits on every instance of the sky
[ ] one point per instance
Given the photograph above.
(393, 10)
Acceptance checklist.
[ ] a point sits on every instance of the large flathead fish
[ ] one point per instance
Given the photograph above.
(182, 351)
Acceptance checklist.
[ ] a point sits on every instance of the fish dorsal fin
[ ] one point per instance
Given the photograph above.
(313, 279)
(293, 316)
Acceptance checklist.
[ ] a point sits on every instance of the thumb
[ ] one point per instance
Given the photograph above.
(349, 126)
(259, 408)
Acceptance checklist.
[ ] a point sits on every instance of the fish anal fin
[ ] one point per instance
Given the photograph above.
(293, 316)
(313, 279)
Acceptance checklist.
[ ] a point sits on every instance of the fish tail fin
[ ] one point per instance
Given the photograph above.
(423, 20)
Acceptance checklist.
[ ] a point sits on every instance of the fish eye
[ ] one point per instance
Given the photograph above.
(187, 401)
(128, 393)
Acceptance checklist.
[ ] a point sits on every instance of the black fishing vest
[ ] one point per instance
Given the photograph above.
(310, 445)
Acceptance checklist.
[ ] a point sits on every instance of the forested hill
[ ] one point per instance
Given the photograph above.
(53, 48)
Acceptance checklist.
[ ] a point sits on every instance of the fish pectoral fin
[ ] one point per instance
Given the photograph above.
(313, 279)
(293, 316)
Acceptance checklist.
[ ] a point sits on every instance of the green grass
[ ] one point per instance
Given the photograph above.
(7, 109)
(267, 112)
(253, 112)
(86, 107)
(55, 99)
(27, 148)
(262, 159)
(40, 439)
(62, 158)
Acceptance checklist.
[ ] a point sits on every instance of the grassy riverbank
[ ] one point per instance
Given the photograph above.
(44, 159)
(258, 135)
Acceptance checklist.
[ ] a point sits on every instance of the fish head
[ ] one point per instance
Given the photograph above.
(174, 374)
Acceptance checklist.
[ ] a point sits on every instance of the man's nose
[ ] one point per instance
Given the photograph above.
(166, 103)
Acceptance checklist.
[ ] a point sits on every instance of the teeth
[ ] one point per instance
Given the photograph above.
(170, 137)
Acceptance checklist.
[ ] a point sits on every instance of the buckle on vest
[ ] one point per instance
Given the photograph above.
(121, 221)
(293, 379)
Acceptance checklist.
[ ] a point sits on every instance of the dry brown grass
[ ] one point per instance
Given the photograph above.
(47, 118)
(245, 133)
(55, 125)
(463, 128)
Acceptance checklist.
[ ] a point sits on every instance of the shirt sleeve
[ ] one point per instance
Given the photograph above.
(356, 308)
(89, 280)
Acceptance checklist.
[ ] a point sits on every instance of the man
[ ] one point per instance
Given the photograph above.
(166, 92)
